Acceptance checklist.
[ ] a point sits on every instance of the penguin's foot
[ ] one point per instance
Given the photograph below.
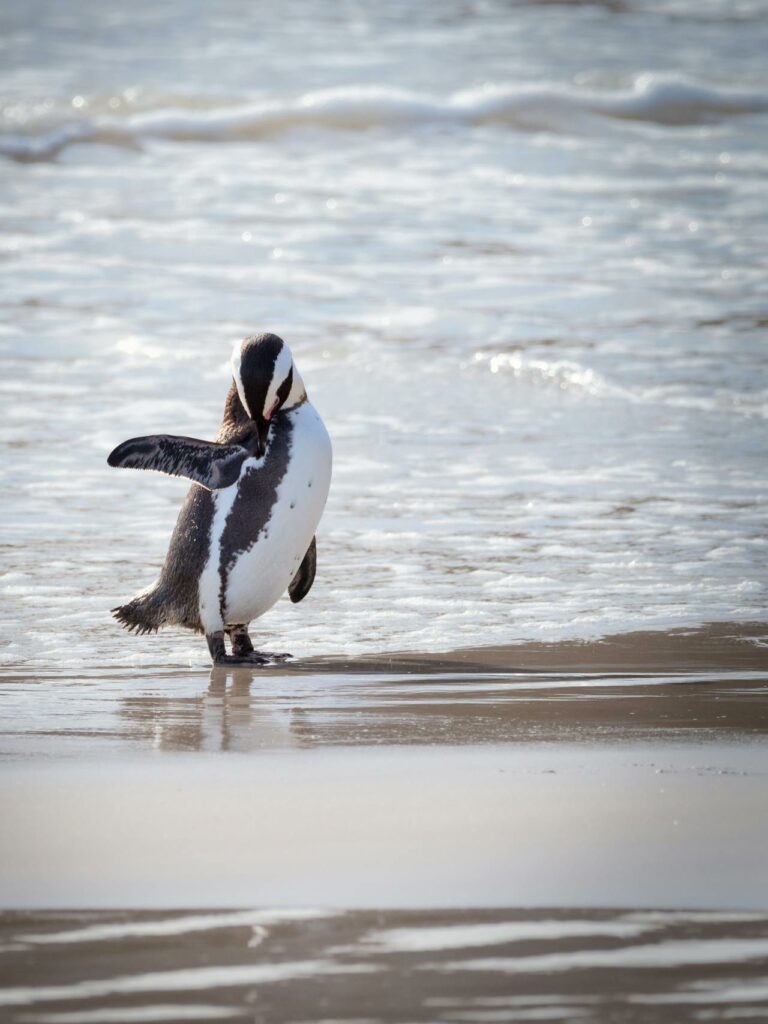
(234, 659)
(254, 658)
(242, 649)
(271, 657)
(241, 642)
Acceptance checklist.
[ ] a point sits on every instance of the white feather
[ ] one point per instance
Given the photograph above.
(283, 365)
(236, 360)
(209, 589)
(262, 573)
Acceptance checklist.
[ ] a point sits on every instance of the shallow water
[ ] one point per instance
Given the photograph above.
(474, 966)
(681, 688)
(519, 259)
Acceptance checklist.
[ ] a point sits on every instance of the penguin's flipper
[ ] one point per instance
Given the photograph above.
(212, 465)
(301, 583)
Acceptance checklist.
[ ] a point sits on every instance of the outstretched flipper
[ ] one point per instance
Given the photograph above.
(212, 465)
(301, 583)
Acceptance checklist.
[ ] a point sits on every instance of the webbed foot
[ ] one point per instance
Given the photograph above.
(242, 649)
(240, 659)
(254, 658)
(272, 658)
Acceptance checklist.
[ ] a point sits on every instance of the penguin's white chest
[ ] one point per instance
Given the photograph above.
(258, 542)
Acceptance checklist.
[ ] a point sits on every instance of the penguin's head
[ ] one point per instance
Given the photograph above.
(266, 380)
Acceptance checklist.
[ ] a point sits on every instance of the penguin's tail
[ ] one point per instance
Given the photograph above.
(145, 613)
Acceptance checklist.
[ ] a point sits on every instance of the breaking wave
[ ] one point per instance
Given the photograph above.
(568, 376)
(652, 98)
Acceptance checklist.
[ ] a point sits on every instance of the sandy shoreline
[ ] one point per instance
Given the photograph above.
(694, 686)
(641, 825)
(626, 776)
(714, 646)
(629, 772)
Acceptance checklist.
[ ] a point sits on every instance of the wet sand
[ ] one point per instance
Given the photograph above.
(704, 684)
(586, 966)
(528, 783)
(642, 826)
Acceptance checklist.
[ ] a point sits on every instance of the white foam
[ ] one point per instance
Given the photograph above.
(176, 925)
(559, 373)
(192, 979)
(659, 955)
(413, 940)
(654, 98)
(728, 991)
(567, 375)
(566, 1012)
(136, 1014)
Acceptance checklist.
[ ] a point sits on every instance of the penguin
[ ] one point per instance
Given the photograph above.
(246, 531)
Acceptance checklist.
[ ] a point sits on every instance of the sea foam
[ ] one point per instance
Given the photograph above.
(657, 99)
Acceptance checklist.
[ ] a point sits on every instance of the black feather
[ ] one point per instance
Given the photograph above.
(212, 465)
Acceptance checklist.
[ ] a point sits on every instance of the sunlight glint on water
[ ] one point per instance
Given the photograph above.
(524, 292)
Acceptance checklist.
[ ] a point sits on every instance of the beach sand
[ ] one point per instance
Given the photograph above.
(608, 797)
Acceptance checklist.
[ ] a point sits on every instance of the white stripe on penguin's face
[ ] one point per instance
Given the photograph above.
(283, 365)
(237, 353)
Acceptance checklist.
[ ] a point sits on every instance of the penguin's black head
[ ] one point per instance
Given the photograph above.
(266, 380)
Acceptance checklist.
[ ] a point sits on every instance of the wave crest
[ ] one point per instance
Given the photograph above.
(652, 98)
(564, 375)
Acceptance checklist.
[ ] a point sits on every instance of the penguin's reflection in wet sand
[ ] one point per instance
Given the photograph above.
(230, 714)
(235, 718)
(246, 532)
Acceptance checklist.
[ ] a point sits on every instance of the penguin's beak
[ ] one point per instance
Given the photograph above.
(262, 433)
(262, 428)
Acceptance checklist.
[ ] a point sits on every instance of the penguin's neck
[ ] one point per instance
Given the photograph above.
(236, 420)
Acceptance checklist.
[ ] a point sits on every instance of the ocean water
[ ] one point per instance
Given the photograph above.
(518, 250)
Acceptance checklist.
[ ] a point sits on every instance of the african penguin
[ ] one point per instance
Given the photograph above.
(246, 531)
